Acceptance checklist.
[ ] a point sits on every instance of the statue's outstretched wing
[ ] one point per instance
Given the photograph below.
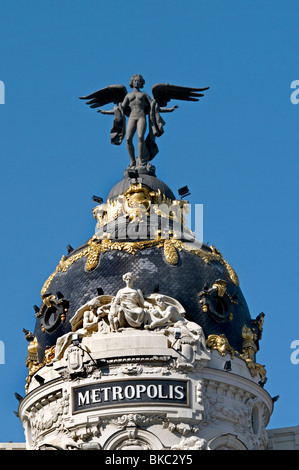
(110, 94)
(163, 93)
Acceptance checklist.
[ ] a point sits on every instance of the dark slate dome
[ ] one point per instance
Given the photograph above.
(199, 278)
(191, 276)
(147, 179)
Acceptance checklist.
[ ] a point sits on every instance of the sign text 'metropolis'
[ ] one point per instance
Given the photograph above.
(130, 392)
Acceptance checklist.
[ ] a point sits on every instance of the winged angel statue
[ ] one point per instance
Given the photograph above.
(136, 106)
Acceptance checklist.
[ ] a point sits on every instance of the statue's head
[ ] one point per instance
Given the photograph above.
(94, 303)
(129, 277)
(137, 78)
(160, 300)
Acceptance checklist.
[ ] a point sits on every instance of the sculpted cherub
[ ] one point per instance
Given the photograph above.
(164, 313)
(89, 323)
(185, 336)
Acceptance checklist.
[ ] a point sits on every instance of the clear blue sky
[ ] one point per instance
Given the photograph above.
(237, 150)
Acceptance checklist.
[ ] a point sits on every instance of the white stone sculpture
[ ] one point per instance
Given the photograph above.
(164, 313)
(187, 338)
(191, 443)
(90, 316)
(130, 309)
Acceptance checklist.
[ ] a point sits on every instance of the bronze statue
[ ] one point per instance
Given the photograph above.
(136, 106)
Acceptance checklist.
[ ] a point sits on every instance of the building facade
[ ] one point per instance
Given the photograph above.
(147, 343)
(143, 339)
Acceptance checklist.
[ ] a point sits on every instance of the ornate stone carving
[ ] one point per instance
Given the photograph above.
(199, 392)
(220, 343)
(164, 311)
(129, 309)
(53, 311)
(187, 339)
(132, 443)
(59, 440)
(32, 359)
(131, 369)
(85, 322)
(134, 204)
(216, 301)
(181, 428)
(226, 442)
(249, 347)
(132, 436)
(50, 416)
(136, 419)
(191, 443)
(74, 357)
(141, 214)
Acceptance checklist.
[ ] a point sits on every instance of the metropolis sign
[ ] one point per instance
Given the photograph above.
(131, 392)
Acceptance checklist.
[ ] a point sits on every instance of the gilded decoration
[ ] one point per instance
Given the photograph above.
(63, 266)
(171, 247)
(215, 255)
(52, 311)
(221, 344)
(170, 252)
(249, 349)
(216, 301)
(32, 360)
(94, 253)
(129, 308)
(136, 204)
